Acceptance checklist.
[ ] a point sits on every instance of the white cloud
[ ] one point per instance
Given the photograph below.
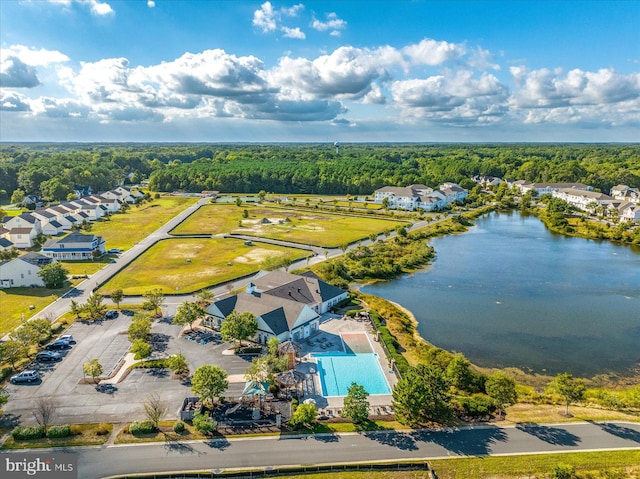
(456, 99)
(13, 101)
(33, 57)
(333, 23)
(292, 11)
(151, 4)
(96, 6)
(16, 74)
(432, 52)
(293, 33)
(265, 17)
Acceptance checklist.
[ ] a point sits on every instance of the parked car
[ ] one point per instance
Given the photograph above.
(28, 376)
(58, 344)
(106, 388)
(111, 314)
(114, 251)
(46, 356)
(68, 338)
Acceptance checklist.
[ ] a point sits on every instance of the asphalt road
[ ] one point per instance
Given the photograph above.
(325, 449)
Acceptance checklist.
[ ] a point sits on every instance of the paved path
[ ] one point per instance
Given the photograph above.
(97, 462)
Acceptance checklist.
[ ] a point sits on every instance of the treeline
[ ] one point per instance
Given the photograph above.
(357, 169)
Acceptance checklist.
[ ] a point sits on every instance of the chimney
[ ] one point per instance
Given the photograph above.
(251, 288)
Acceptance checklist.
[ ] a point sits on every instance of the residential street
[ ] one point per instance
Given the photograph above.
(323, 449)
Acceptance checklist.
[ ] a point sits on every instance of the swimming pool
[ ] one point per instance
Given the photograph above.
(338, 370)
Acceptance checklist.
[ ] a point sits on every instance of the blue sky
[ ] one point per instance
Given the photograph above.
(426, 71)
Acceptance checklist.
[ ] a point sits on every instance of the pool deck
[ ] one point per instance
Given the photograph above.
(330, 328)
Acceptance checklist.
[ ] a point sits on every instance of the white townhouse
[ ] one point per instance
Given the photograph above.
(49, 223)
(413, 197)
(625, 193)
(22, 238)
(23, 271)
(93, 211)
(548, 188)
(487, 180)
(286, 306)
(112, 205)
(580, 198)
(76, 246)
(25, 220)
(629, 212)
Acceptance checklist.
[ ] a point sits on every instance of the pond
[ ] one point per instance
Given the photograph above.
(511, 293)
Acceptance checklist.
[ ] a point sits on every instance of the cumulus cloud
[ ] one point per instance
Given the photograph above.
(265, 17)
(13, 101)
(96, 6)
(293, 33)
(456, 99)
(151, 4)
(61, 108)
(16, 74)
(432, 52)
(347, 73)
(33, 57)
(605, 96)
(332, 22)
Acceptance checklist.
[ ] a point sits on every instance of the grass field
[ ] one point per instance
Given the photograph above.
(211, 261)
(16, 301)
(125, 230)
(319, 229)
(81, 435)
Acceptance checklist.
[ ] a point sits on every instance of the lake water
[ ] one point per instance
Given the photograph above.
(511, 293)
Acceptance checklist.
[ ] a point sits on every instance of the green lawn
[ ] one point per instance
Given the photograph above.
(125, 230)
(319, 229)
(81, 435)
(15, 302)
(211, 261)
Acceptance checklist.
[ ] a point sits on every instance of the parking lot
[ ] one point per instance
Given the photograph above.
(107, 340)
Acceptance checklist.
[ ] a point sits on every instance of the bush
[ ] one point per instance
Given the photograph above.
(478, 405)
(563, 471)
(59, 431)
(141, 427)
(203, 423)
(141, 349)
(178, 427)
(5, 373)
(103, 429)
(27, 432)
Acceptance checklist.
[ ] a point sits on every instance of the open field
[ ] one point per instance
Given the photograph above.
(86, 266)
(554, 413)
(16, 301)
(321, 229)
(125, 230)
(189, 264)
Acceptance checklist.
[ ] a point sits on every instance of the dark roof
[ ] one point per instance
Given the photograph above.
(305, 289)
(72, 238)
(45, 213)
(5, 243)
(36, 259)
(227, 305)
(55, 224)
(276, 320)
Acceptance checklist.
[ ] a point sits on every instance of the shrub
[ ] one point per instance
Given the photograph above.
(203, 423)
(141, 427)
(178, 427)
(141, 349)
(27, 432)
(478, 405)
(103, 429)
(5, 373)
(563, 471)
(59, 431)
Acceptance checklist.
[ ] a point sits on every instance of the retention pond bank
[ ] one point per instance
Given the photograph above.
(511, 293)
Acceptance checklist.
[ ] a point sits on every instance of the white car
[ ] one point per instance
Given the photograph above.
(68, 338)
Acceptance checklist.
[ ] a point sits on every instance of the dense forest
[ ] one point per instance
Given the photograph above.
(51, 170)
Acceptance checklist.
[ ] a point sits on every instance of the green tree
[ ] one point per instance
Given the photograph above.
(55, 189)
(17, 197)
(154, 299)
(459, 373)
(36, 331)
(502, 389)
(93, 368)
(262, 194)
(239, 326)
(141, 349)
(140, 328)
(54, 275)
(385, 203)
(238, 201)
(304, 415)
(12, 351)
(116, 296)
(75, 309)
(203, 423)
(205, 295)
(188, 313)
(373, 237)
(94, 306)
(356, 405)
(572, 389)
(209, 382)
(178, 363)
(422, 396)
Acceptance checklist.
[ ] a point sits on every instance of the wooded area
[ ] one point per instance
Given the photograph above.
(51, 170)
